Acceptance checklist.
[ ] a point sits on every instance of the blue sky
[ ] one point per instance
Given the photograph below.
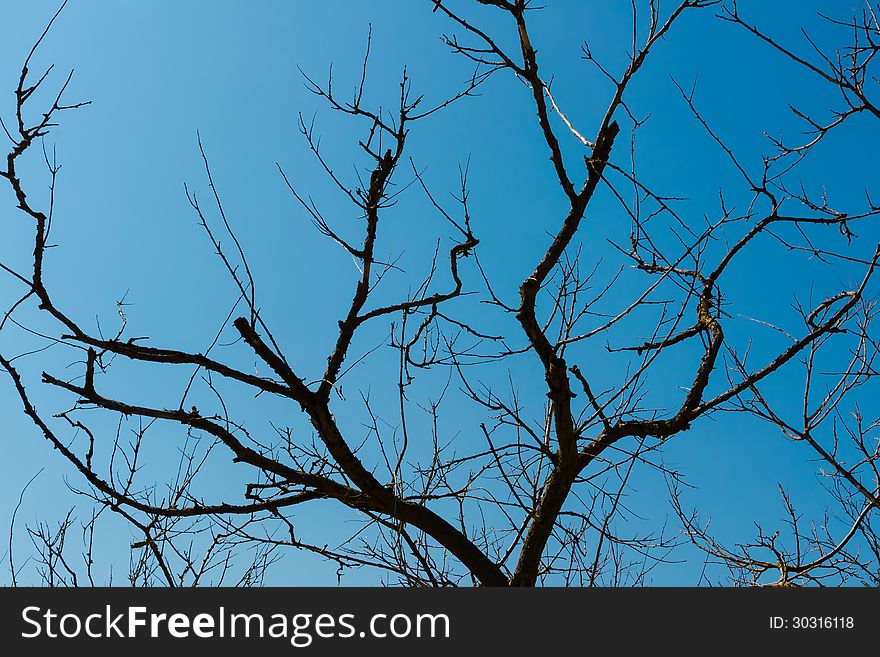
(159, 72)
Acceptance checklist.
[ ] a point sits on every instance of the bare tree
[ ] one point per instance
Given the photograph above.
(536, 491)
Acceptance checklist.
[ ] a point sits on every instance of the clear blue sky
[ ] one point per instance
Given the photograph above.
(159, 71)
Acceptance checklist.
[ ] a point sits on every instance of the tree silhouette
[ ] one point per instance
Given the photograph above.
(535, 491)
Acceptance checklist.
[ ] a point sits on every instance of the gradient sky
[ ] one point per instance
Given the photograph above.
(159, 71)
